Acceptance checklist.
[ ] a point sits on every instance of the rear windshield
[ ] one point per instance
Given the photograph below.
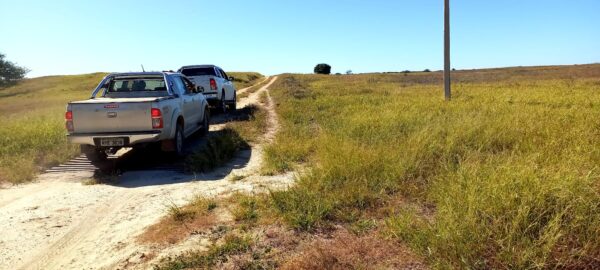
(199, 71)
(120, 85)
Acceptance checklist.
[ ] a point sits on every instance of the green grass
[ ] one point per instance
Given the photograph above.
(32, 133)
(225, 144)
(246, 209)
(220, 148)
(198, 206)
(504, 176)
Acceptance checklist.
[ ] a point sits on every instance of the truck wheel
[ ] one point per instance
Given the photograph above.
(223, 104)
(205, 123)
(93, 154)
(233, 106)
(179, 139)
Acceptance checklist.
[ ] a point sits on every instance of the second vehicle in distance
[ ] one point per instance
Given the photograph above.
(218, 86)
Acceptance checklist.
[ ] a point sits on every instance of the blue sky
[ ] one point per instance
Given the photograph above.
(271, 37)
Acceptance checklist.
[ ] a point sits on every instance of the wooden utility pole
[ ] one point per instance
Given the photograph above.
(447, 93)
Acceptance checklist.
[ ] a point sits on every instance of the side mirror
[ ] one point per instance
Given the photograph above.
(231, 78)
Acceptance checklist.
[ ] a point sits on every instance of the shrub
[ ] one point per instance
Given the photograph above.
(10, 73)
(323, 69)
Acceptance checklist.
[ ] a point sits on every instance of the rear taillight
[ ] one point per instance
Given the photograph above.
(213, 84)
(69, 121)
(157, 120)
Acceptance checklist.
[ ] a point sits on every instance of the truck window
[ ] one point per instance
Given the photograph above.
(217, 73)
(178, 85)
(224, 74)
(205, 71)
(189, 87)
(136, 85)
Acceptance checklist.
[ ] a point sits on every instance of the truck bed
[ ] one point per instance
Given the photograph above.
(102, 115)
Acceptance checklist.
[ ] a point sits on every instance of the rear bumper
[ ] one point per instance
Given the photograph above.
(131, 138)
(212, 98)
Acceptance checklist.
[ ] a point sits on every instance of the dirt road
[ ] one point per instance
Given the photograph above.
(60, 223)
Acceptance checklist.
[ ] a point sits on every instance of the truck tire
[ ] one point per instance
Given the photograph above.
(233, 106)
(179, 141)
(93, 154)
(223, 103)
(205, 123)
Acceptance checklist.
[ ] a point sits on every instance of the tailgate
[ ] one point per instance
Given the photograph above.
(111, 117)
(203, 81)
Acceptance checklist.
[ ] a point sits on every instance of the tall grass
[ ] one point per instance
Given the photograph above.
(504, 176)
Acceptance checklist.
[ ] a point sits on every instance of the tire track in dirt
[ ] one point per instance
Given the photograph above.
(243, 90)
(76, 234)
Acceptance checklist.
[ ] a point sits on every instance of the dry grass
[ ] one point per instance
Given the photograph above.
(197, 216)
(344, 250)
(275, 247)
(218, 254)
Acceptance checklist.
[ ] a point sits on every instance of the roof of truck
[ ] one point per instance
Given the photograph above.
(117, 74)
(198, 66)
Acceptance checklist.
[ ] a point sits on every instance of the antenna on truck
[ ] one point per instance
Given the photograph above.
(142, 67)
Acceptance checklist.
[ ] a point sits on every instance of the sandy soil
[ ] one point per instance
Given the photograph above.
(60, 223)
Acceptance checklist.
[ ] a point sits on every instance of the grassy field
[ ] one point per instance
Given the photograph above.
(245, 79)
(504, 176)
(32, 133)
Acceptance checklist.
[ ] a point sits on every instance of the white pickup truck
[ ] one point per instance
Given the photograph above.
(218, 87)
(136, 109)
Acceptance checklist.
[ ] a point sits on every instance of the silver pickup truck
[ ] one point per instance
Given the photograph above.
(137, 109)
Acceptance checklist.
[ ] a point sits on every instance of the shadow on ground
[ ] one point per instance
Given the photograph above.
(242, 114)
(150, 167)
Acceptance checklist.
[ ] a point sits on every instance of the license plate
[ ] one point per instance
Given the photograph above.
(112, 142)
(211, 95)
